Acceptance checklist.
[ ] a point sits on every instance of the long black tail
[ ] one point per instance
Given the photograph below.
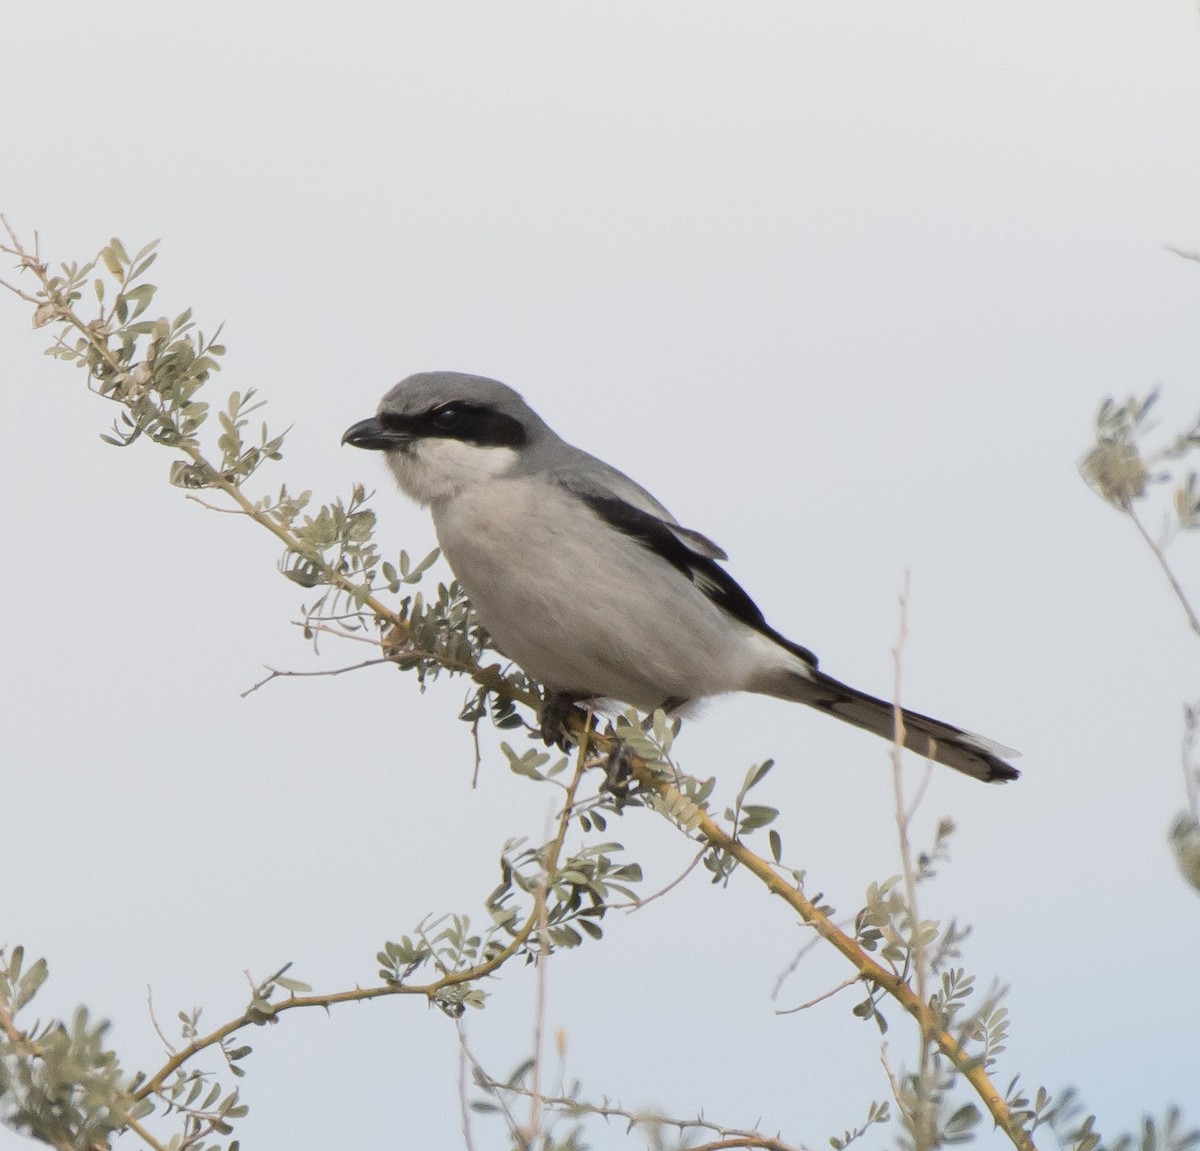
(971, 754)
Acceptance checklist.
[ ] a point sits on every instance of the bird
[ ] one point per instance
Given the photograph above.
(589, 584)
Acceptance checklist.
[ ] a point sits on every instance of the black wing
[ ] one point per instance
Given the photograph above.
(667, 541)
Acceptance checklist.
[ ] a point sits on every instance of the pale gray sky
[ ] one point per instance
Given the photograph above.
(842, 285)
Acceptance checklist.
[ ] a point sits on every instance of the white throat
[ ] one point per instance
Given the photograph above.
(436, 469)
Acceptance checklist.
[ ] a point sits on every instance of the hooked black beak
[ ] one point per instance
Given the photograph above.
(373, 435)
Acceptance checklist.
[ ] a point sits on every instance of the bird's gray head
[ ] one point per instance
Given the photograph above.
(444, 431)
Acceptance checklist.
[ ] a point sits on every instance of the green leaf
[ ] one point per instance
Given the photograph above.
(140, 297)
(110, 259)
(527, 764)
(140, 267)
(756, 775)
(1185, 839)
(754, 816)
(295, 986)
(27, 988)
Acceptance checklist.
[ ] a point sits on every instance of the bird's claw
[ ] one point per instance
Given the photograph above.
(618, 772)
(555, 711)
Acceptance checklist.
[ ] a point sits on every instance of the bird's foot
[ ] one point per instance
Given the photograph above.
(555, 711)
(618, 773)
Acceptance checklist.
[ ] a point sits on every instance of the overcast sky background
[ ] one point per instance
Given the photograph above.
(843, 286)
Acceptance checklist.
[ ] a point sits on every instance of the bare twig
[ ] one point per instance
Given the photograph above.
(1160, 555)
(276, 674)
(486, 1080)
(637, 904)
(28, 261)
(919, 794)
(848, 982)
(145, 1135)
(794, 965)
(154, 1020)
(477, 748)
(327, 628)
(924, 1134)
(213, 507)
(1191, 773)
(893, 1082)
(542, 965)
(464, 1103)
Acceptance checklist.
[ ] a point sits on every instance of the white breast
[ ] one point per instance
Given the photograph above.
(583, 608)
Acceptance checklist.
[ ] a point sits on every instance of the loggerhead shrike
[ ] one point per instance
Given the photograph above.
(587, 582)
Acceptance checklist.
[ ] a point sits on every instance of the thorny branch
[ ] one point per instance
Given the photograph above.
(570, 1105)
(254, 1016)
(869, 970)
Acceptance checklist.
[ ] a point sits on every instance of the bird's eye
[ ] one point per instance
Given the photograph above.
(448, 418)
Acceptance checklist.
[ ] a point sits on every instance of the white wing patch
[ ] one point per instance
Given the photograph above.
(700, 544)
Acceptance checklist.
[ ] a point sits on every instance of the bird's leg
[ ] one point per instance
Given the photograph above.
(618, 772)
(557, 707)
(618, 764)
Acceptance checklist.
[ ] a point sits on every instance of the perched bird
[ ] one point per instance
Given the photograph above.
(588, 583)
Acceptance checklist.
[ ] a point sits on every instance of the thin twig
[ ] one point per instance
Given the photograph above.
(794, 965)
(541, 972)
(486, 1080)
(893, 1082)
(1191, 773)
(154, 1020)
(637, 904)
(726, 1136)
(145, 1135)
(765, 1142)
(213, 507)
(464, 1104)
(154, 1084)
(924, 1135)
(542, 966)
(919, 794)
(478, 750)
(848, 982)
(1152, 544)
(276, 674)
(17, 291)
(339, 632)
